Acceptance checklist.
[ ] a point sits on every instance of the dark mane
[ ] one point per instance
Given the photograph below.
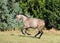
(23, 14)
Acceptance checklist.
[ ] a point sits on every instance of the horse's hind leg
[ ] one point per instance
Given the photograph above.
(26, 31)
(37, 34)
(41, 33)
(22, 31)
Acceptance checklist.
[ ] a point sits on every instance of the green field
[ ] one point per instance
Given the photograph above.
(17, 37)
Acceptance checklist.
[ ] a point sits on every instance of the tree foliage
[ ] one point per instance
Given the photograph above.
(49, 10)
(8, 10)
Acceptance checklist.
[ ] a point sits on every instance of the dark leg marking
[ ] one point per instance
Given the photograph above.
(22, 31)
(26, 32)
(40, 34)
(37, 33)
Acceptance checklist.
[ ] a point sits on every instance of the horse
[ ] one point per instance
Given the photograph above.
(30, 22)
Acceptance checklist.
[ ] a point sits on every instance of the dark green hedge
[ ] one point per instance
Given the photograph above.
(49, 10)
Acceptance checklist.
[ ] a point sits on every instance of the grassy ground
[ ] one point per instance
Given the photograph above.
(17, 37)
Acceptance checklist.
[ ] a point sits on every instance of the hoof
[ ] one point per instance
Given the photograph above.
(38, 38)
(29, 34)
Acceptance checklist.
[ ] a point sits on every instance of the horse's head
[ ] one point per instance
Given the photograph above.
(20, 16)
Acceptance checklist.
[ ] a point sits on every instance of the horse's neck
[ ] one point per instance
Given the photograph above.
(24, 18)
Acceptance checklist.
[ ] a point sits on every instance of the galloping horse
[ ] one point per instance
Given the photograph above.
(31, 23)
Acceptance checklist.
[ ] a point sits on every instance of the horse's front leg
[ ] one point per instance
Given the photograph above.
(22, 31)
(26, 31)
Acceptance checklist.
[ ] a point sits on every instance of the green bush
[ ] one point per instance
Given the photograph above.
(49, 10)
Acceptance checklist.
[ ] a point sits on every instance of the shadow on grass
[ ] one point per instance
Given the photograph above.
(26, 36)
(12, 34)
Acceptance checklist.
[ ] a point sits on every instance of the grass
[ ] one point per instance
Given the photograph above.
(17, 37)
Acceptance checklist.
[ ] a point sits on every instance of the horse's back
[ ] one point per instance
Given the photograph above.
(36, 22)
(33, 22)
